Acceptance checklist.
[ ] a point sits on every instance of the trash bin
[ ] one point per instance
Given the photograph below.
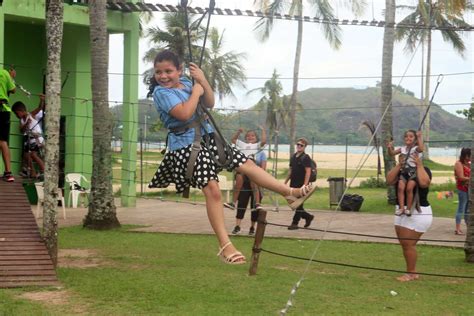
(351, 202)
(30, 190)
(337, 186)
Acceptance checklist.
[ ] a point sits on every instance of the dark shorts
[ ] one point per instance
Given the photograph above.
(4, 126)
(29, 147)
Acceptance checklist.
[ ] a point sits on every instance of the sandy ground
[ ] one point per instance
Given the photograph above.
(337, 160)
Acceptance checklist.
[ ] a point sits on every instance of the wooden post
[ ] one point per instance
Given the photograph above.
(259, 234)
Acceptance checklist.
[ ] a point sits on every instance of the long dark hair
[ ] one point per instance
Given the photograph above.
(465, 154)
(166, 55)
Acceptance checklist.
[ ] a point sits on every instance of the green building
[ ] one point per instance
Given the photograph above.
(23, 44)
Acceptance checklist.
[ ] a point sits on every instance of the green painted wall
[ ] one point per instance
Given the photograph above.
(23, 44)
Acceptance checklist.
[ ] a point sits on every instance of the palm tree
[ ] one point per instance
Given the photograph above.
(223, 70)
(322, 9)
(386, 87)
(273, 102)
(102, 211)
(54, 37)
(172, 37)
(373, 134)
(441, 13)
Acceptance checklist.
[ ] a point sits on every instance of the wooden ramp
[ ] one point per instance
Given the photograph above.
(24, 259)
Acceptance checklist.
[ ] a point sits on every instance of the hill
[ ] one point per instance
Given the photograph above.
(331, 114)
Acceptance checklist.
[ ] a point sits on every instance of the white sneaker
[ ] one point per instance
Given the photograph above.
(399, 212)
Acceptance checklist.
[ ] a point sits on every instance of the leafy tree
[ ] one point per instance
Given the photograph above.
(321, 9)
(223, 70)
(277, 113)
(173, 37)
(432, 13)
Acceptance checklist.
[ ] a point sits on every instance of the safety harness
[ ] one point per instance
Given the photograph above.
(224, 150)
(416, 198)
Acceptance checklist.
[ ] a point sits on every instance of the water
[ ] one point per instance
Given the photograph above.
(285, 148)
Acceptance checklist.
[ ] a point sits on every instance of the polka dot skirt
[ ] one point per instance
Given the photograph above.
(173, 167)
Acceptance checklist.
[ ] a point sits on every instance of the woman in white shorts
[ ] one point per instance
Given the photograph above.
(410, 228)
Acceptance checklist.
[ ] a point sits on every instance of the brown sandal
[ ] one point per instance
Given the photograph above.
(305, 193)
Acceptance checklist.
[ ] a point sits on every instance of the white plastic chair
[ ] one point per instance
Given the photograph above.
(225, 186)
(75, 193)
(40, 193)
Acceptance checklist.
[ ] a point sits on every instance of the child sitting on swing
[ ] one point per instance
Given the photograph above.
(407, 180)
(176, 99)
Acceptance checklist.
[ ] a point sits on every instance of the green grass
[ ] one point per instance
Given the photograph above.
(434, 166)
(172, 274)
(375, 200)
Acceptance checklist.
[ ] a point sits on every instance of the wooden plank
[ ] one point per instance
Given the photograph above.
(25, 262)
(14, 248)
(24, 252)
(37, 257)
(27, 267)
(28, 278)
(36, 272)
(24, 259)
(17, 284)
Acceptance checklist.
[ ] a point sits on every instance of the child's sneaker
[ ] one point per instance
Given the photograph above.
(236, 230)
(251, 231)
(407, 212)
(258, 207)
(399, 212)
(24, 173)
(8, 177)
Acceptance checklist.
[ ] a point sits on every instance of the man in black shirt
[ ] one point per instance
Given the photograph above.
(298, 175)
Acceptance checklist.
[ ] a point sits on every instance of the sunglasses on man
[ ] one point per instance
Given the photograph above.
(300, 145)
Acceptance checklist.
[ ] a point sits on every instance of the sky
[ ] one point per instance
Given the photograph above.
(359, 55)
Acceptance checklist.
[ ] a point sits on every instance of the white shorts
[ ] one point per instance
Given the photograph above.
(419, 222)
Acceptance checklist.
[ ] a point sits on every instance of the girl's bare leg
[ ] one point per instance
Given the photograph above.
(215, 213)
(264, 179)
(239, 181)
(409, 248)
(401, 194)
(409, 192)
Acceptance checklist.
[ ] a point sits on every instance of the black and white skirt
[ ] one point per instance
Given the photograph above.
(173, 167)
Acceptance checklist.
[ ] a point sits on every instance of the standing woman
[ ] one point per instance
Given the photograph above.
(462, 174)
(409, 229)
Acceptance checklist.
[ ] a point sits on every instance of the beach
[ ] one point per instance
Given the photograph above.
(337, 160)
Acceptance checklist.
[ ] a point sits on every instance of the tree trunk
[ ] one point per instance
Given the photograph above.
(296, 71)
(426, 127)
(54, 37)
(102, 212)
(386, 99)
(469, 245)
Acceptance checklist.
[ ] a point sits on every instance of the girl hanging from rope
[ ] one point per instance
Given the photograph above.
(407, 180)
(176, 99)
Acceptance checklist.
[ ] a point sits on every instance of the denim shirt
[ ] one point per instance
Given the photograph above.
(165, 100)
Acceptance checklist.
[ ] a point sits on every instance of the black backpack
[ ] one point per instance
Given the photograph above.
(314, 171)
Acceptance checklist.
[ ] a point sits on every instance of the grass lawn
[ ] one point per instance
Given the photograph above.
(375, 200)
(172, 274)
